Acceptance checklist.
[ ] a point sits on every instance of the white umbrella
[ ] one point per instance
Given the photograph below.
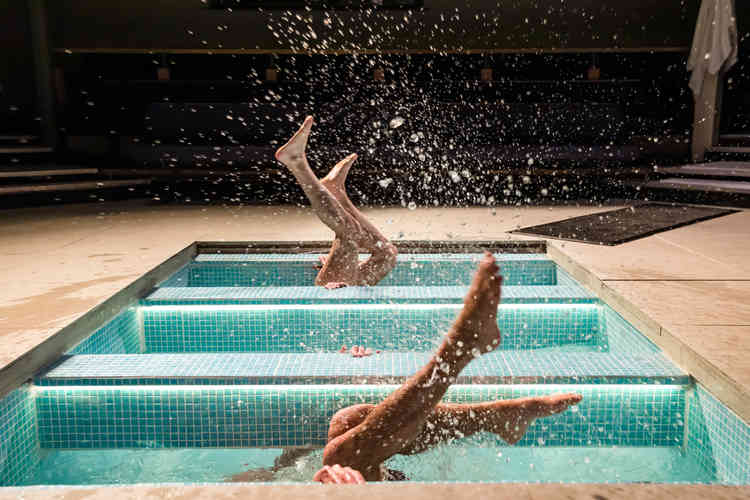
(714, 43)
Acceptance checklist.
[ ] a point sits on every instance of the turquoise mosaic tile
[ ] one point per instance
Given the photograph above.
(718, 437)
(406, 273)
(361, 295)
(121, 335)
(166, 417)
(402, 257)
(329, 368)
(622, 336)
(405, 327)
(19, 446)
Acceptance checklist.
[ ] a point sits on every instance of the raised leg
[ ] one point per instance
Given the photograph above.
(342, 264)
(326, 206)
(382, 252)
(393, 424)
(509, 419)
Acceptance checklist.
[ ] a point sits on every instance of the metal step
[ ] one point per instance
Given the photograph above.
(26, 150)
(701, 185)
(737, 138)
(18, 139)
(36, 171)
(729, 149)
(712, 169)
(72, 186)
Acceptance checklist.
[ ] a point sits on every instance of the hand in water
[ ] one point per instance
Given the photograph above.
(335, 474)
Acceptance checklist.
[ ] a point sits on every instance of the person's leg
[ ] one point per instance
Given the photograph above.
(395, 422)
(342, 264)
(326, 206)
(509, 419)
(382, 252)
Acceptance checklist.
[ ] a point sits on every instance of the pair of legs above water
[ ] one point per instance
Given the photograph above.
(353, 232)
(412, 419)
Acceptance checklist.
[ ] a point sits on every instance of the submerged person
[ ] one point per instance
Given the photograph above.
(353, 232)
(412, 419)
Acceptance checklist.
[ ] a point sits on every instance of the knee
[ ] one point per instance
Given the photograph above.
(348, 418)
(389, 253)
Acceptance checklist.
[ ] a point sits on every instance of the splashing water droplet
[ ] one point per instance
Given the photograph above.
(412, 206)
(396, 122)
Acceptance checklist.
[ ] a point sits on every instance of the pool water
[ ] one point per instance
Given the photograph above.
(230, 370)
(455, 462)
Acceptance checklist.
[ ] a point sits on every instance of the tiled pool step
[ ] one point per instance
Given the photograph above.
(402, 327)
(306, 328)
(411, 270)
(560, 294)
(506, 367)
(299, 415)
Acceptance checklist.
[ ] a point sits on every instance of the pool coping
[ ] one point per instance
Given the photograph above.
(386, 491)
(726, 390)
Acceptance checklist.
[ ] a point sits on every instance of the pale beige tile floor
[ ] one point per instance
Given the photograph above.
(395, 491)
(59, 262)
(717, 249)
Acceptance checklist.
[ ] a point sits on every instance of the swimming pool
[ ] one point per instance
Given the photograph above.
(229, 368)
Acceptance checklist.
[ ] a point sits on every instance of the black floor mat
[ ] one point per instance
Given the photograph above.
(626, 224)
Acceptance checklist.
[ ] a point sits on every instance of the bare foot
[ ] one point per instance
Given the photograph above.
(334, 181)
(476, 325)
(366, 234)
(334, 285)
(294, 150)
(529, 409)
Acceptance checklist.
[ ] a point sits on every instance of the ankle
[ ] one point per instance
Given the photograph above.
(453, 356)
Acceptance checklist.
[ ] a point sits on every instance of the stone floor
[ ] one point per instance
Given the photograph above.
(692, 284)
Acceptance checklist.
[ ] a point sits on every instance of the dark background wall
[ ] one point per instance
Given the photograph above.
(17, 96)
(442, 25)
